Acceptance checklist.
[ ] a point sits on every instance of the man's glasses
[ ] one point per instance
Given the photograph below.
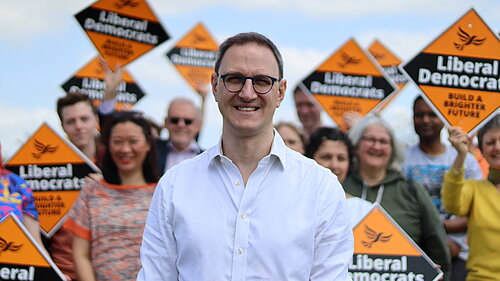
(175, 120)
(234, 82)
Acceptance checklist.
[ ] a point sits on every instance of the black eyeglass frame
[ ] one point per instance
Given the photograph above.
(176, 120)
(245, 78)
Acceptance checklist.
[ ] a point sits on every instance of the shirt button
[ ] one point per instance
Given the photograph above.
(244, 216)
(240, 251)
(237, 182)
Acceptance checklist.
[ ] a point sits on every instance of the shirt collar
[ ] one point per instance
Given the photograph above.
(278, 150)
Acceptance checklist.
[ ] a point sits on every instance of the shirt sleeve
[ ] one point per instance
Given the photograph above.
(79, 216)
(28, 198)
(434, 240)
(159, 248)
(472, 168)
(456, 197)
(334, 243)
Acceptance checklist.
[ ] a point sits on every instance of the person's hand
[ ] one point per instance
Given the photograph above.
(111, 79)
(439, 267)
(351, 118)
(202, 89)
(459, 140)
(93, 177)
(454, 248)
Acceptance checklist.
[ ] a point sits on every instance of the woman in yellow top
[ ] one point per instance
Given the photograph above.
(478, 200)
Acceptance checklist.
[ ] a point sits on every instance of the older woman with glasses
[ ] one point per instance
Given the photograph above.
(375, 177)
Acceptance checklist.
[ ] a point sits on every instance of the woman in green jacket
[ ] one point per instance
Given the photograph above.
(375, 177)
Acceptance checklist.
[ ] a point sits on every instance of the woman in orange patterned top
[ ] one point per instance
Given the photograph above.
(109, 216)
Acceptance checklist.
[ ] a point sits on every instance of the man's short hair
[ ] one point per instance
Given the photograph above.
(71, 99)
(246, 38)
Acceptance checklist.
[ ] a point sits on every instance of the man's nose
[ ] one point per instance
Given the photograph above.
(247, 92)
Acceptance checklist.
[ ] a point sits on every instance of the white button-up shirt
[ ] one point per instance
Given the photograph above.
(288, 223)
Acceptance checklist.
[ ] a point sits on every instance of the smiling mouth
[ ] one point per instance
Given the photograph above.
(244, 108)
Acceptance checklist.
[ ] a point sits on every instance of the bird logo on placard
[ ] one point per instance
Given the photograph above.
(42, 149)
(347, 59)
(374, 237)
(8, 246)
(123, 3)
(378, 56)
(197, 38)
(467, 39)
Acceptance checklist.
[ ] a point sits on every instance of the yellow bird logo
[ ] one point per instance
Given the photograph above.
(374, 237)
(42, 149)
(467, 39)
(8, 246)
(347, 59)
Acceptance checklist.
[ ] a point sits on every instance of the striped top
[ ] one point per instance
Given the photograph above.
(112, 218)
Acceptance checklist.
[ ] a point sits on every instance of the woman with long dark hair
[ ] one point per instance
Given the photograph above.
(108, 217)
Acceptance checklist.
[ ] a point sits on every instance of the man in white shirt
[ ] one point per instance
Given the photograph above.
(249, 208)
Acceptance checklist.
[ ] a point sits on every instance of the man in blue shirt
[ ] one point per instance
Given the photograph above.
(249, 208)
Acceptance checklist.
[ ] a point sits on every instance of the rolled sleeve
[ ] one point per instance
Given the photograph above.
(456, 198)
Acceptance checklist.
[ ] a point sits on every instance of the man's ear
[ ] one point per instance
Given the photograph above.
(214, 80)
(281, 92)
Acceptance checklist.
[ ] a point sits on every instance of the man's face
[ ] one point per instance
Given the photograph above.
(308, 112)
(247, 113)
(183, 123)
(427, 124)
(79, 122)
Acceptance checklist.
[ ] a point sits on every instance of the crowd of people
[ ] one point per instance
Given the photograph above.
(257, 206)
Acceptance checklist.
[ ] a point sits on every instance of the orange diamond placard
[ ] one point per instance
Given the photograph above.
(390, 63)
(89, 80)
(349, 80)
(383, 249)
(22, 258)
(194, 57)
(55, 170)
(459, 73)
(122, 30)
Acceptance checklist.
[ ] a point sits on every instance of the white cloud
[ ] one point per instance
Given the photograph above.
(403, 44)
(331, 8)
(21, 21)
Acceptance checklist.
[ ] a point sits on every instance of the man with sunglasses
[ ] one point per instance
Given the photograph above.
(248, 208)
(183, 123)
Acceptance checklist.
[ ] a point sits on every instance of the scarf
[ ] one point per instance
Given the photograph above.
(494, 176)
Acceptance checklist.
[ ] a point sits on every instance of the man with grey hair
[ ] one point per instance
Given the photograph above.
(183, 123)
(248, 208)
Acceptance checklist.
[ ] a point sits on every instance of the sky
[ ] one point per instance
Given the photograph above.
(42, 45)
